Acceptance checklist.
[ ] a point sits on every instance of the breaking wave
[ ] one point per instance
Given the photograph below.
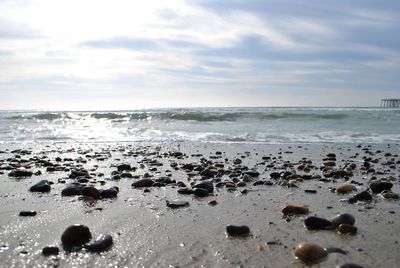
(201, 116)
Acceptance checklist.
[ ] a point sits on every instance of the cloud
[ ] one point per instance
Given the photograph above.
(121, 42)
(223, 46)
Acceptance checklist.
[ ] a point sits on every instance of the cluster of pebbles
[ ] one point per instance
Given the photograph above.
(205, 176)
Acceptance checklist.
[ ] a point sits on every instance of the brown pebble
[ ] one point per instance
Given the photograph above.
(295, 209)
(344, 218)
(347, 229)
(345, 188)
(309, 252)
(390, 195)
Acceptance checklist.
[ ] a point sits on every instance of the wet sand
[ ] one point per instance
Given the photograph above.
(147, 233)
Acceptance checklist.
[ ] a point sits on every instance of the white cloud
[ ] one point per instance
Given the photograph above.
(44, 42)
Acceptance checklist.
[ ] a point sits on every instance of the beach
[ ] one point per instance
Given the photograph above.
(251, 186)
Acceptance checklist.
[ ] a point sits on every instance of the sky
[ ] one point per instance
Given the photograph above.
(125, 54)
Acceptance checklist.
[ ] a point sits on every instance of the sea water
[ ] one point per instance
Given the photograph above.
(246, 125)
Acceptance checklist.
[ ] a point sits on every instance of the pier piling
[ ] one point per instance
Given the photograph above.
(390, 103)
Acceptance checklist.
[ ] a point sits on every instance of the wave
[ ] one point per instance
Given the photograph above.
(108, 115)
(198, 116)
(39, 116)
(49, 116)
(234, 116)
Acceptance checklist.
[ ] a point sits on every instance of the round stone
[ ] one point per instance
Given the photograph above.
(75, 236)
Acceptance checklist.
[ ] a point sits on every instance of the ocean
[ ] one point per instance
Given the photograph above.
(226, 125)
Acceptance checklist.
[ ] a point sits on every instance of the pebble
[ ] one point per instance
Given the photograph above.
(177, 204)
(27, 213)
(42, 186)
(389, 195)
(20, 173)
(143, 183)
(200, 192)
(123, 167)
(350, 265)
(102, 243)
(50, 250)
(72, 189)
(379, 186)
(310, 191)
(347, 229)
(309, 252)
(362, 196)
(317, 223)
(295, 209)
(234, 230)
(344, 218)
(185, 190)
(110, 192)
(208, 185)
(91, 192)
(213, 203)
(75, 236)
(345, 188)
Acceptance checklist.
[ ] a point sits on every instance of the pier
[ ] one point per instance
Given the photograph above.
(390, 103)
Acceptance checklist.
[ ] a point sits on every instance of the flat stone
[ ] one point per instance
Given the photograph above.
(177, 204)
(234, 230)
(27, 213)
(143, 183)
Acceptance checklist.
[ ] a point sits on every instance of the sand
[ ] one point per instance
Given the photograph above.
(147, 233)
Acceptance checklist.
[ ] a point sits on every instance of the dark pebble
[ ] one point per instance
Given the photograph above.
(109, 193)
(91, 192)
(101, 244)
(72, 189)
(350, 265)
(185, 190)
(177, 204)
(51, 250)
(233, 230)
(208, 185)
(143, 183)
(20, 173)
(347, 229)
(362, 196)
(75, 236)
(310, 191)
(213, 203)
(378, 187)
(27, 213)
(180, 184)
(200, 192)
(317, 223)
(42, 186)
(123, 167)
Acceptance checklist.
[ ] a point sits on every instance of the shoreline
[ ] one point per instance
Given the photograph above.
(148, 233)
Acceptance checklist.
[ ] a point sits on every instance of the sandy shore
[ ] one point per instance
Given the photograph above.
(147, 233)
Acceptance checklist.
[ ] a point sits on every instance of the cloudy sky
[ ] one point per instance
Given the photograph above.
(124, 54)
